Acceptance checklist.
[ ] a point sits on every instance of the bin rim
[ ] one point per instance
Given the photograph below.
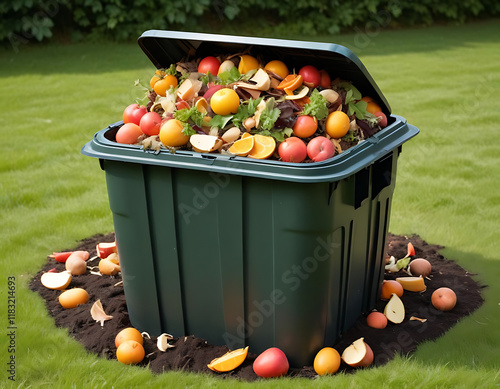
(164, 47)
(336, 168)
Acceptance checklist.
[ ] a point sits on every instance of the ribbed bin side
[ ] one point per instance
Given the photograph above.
(250, 261)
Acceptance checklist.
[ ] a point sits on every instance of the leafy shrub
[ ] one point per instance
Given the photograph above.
(22, 21)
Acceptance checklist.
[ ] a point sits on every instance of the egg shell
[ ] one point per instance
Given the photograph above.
(71, 298)
(420, 267)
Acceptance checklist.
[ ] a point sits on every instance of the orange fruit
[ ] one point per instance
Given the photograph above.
(247, 63)
(305, 126)
(245, 135)
(327, 361)
(225, 102)
(229, 361)
(389, 287)
(129, 333)
(243, 146)
(162, 86)
(337, 124)
(373, 107)
(130, 352)
(171, 133)
(263, 148)
(290, 83)
(368, 99)
(277, 67)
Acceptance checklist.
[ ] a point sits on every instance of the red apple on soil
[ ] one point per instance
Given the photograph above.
(271, 363)
(320, 148)
(292, 149)
(358, 354)
(310, 75)
(444, 299)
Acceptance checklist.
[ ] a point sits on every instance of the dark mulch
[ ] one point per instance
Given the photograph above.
(193, 354)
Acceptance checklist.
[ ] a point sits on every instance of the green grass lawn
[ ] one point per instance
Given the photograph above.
(443, 80)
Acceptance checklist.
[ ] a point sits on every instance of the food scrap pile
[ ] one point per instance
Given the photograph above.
(92, 307)
(241, 105)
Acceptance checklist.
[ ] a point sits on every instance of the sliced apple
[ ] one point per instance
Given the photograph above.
(56, 281)
(395, 310)
(105, 249)
(330, 95)
(358, 354)
(205, 143)
(260, 79)
(412, 284)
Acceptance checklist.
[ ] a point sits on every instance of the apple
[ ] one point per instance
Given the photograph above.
(129, 133)
(444, 299)
(382, 119)
(150, 123)
(358, 354)
(320, 148)
(133, 113)
(271, 363)
(211, 90)
(209, 64)
(311, 76)
(395, 310)
(104, 249)
(325, 81)
(292, 149)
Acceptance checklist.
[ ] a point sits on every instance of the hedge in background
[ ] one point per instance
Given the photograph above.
(22, 21)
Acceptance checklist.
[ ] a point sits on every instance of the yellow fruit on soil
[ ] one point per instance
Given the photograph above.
(412, 284)
(327, 361)
(130, 352)
(243, 146)
(247, 63)
(229, 361)
(71, 298)
(129, 333)
(263, 148)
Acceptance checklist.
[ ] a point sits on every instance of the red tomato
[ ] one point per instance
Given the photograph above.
(271, 363)
(128, 133)
(325, 79)
(133, 113)
(305, 126)
(320, 148)
(150, 123)
(311, 76)
(209, 64)
(292, 150)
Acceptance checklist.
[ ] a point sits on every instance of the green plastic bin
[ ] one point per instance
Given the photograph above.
(248, 252)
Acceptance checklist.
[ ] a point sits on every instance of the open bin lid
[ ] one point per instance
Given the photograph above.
(166, 47)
